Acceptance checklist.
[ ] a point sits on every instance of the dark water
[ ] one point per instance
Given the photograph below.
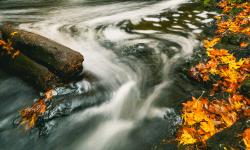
(131, 47)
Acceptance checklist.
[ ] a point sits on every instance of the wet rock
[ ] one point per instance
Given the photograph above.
(209, 30)
(245, 88)
(146, 56)
(229, 138)
(169, 48)
(235, 39)
(144, 53)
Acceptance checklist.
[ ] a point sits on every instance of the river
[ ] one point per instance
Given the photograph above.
(131, 48)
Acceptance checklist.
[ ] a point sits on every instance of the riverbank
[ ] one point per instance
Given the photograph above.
(217, 117)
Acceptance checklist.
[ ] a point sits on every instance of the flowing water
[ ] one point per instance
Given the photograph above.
(129, 99)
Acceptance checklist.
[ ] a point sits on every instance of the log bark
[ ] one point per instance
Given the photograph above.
(30, 71)
(62, 61)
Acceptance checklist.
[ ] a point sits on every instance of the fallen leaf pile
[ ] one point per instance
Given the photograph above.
(236, 24)
(30, 115)
(231, 71)
(7, 46)
(202, 118)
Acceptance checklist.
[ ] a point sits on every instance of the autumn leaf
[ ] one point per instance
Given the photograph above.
(13, 34)
(217, 53)
(243, 45)
(203, 118)
(211, 43)
(208, 127)
(246, 138)
(247, 112)
(16, 54)
(7, 47)
(49, 94)
(2, 43)
(30, 115)
(187, 137)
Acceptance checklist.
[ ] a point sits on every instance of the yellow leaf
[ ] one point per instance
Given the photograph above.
(246, 138)
(186, 138)
(243, 45)
(208, 127)
(13, 33)
(211, 43)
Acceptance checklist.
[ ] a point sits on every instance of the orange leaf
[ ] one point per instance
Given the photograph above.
(246, 138)
(243, 45)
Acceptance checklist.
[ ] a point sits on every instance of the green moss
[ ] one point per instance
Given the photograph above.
(209, 3)
(236, 1)
(235, 11)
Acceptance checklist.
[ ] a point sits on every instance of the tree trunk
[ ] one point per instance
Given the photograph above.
(62, 61)
(22, 66)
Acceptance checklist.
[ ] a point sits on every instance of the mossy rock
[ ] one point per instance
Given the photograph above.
(235, 39)
(229, 138)
(245, 88)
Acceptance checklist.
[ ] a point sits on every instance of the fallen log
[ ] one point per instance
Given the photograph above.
(30, 71)
(62, 61)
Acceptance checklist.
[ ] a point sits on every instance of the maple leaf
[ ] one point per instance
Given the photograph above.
(223, 4)
(211, 43)
(217, 53)
(237, 101)
(247, 112)
(208, 127)
(187, 137)
(244, 44)
(246, 138)
(229, 119)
